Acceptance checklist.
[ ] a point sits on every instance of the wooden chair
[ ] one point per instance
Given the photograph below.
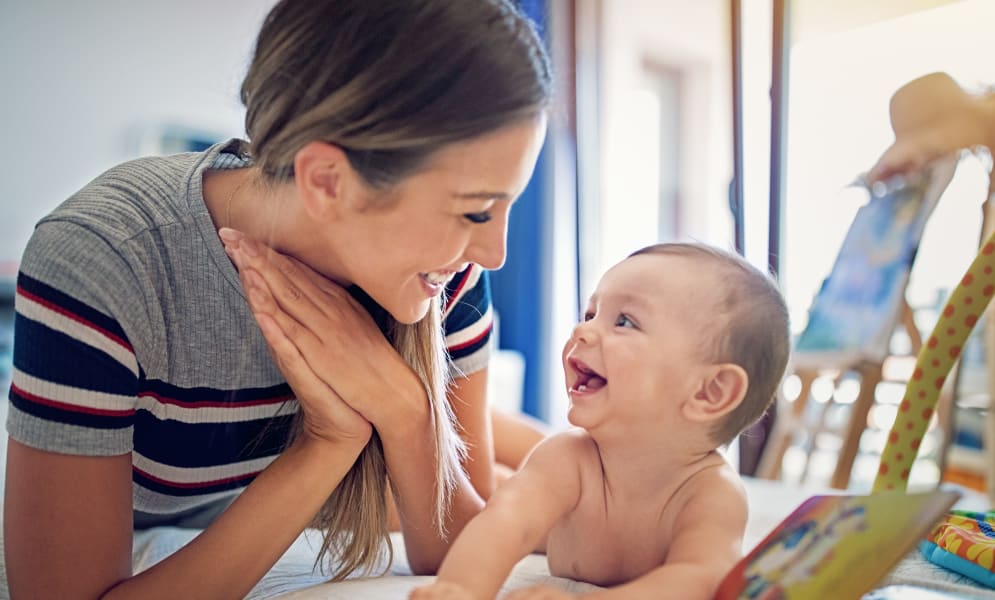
(794, 423)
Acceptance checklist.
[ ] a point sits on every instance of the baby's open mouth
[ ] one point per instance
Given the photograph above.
(588, 380)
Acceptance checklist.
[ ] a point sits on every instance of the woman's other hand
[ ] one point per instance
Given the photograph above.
(326, 415)
(324, 336)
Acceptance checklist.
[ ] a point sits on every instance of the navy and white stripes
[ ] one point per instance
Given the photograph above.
(132, 336)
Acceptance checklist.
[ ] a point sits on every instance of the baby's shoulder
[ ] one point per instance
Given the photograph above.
(575, 442)
(714, 487)
(716, 473)
(566, 450)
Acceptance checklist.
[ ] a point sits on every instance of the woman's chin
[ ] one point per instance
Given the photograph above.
(411, 314)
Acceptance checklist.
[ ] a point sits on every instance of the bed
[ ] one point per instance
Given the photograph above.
(293, 578)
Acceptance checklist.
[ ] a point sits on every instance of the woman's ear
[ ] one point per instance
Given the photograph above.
(320, 172)
(721, 391)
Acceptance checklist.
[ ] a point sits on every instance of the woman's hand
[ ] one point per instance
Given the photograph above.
(326, 415)
(325, 338)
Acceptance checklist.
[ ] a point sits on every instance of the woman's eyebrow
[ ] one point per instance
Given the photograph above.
(482, 195)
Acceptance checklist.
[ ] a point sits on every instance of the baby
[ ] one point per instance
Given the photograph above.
(682, 346)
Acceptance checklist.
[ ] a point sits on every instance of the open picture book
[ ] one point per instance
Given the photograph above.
(836, 546)
(859, 304)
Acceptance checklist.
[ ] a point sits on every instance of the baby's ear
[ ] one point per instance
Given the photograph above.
(721, 391)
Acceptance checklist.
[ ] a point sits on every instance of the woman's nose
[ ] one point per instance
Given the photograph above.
(488, 247)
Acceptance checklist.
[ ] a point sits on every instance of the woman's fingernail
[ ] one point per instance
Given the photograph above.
(230, 236)
(249, 246)
(235, 254)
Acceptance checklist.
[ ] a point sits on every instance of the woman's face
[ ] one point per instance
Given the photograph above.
(405, 244)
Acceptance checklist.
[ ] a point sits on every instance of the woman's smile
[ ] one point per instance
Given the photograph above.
(435, 281)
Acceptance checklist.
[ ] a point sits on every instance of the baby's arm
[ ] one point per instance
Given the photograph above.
(706, 544)
(516, 519)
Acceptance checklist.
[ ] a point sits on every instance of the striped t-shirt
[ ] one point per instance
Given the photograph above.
(132, 335)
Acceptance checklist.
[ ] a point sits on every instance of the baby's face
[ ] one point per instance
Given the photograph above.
(638, 349)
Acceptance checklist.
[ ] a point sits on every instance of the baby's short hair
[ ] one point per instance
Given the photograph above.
(751, 329)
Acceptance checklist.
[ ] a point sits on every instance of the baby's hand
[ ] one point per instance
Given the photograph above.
(440, 590)
(539, 592)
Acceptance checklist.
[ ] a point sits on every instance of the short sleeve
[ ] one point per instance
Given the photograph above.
(75, 377)
(468, 320)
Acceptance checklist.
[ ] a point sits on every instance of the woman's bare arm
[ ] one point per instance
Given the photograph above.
(515, 436)
(68, 525)
(68, 519)
(468, 397)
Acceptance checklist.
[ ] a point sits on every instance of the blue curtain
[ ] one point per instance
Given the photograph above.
(519, 288)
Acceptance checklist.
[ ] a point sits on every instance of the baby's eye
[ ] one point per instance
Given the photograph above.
(623, 320)
(478, 217)
(588, 316)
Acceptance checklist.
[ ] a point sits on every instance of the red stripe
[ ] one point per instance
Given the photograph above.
(103, 412)
(73, 316)
(215, 404)
(472, 341)
(452, 297)
(194, 485)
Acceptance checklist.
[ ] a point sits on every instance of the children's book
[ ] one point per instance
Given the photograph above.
(836, 546)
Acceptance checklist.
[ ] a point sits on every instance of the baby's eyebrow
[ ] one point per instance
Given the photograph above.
(635, 299)
(624, 298)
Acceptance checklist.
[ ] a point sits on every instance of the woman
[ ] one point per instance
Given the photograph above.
(387, 141)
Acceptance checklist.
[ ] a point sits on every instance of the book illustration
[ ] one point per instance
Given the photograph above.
(858, 305)
(835, 546)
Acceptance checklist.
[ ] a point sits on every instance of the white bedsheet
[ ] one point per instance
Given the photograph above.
(293, 578)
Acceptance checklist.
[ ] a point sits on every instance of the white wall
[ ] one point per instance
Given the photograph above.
(841, 84)
(692, 38)
(81, 81)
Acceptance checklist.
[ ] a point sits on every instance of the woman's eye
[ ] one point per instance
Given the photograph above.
(478, 217)
(624, 321)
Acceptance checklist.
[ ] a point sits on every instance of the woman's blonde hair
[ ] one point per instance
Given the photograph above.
(391, 82)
